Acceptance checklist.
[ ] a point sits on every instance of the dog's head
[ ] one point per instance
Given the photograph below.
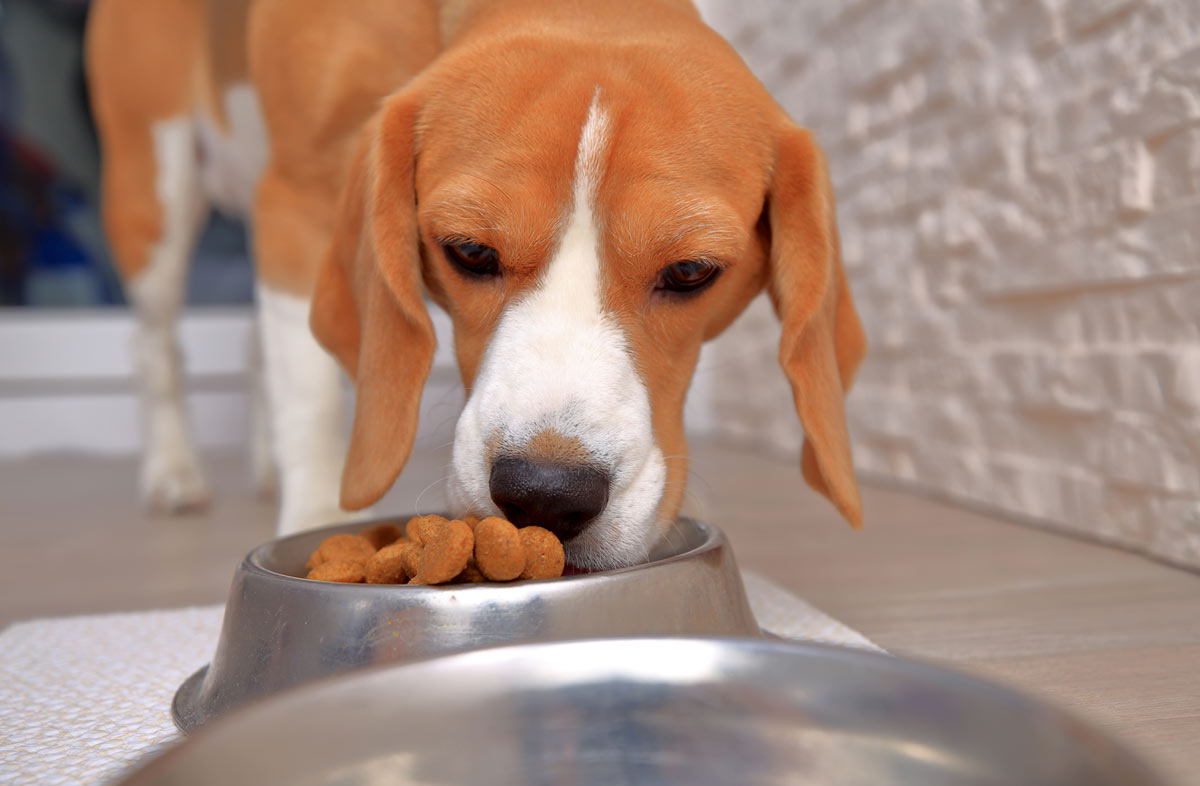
(588, 217)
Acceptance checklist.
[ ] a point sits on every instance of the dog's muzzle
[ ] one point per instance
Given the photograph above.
(562, 498)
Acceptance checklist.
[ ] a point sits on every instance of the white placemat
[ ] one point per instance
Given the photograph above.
(82, 698)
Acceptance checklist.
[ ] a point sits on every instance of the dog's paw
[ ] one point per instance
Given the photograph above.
(173, 485)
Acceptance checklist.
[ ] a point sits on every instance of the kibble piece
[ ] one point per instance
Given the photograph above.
(499, 552)
(410, 555)
(471, 521)
(445, 554)
(387, 566)
(346, 548)
(339, 570)
(382, 535)
(544, 556)
(421, 528)
(470, 575)
(314, 560)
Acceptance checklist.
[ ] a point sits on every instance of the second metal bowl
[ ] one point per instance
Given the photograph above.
(280, 630)
(657, 712)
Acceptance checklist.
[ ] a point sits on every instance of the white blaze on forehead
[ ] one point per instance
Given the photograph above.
(557, 361)
(572, 281)
(589, 160)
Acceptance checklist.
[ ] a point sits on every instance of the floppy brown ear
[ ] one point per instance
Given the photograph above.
(367, 308)
(823, 341)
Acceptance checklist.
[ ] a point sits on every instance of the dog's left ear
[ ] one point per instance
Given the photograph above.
(823, 341)
(367, 308)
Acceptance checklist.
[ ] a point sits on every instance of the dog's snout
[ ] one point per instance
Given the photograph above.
(560, 497)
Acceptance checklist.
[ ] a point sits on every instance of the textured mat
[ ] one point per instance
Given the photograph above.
(82, 698)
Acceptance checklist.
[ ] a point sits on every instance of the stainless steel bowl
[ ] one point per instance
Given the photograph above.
(281, 631)
(659, 711)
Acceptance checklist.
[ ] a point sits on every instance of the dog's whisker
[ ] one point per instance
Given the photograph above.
(691, 473)
(700, 479)
(673, 540)
(438, 426)
(417, 502)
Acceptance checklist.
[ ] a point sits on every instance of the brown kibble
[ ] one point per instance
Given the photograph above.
(544, 556)
(346, 548)
(382, 535)
(410, 555)
(420, 528)
(339, 570)
(442, 551)
(445, 553)
(387, 566)
(470, 574)
(499, 552)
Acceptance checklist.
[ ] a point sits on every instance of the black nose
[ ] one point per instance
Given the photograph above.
(563, 498)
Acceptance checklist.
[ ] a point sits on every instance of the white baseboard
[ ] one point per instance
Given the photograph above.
(67, 382)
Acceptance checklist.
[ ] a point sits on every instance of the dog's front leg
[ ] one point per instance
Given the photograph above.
(303, 383)
(171, 478)
(307, 414)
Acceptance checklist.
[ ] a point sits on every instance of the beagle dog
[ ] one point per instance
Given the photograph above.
(591, 189)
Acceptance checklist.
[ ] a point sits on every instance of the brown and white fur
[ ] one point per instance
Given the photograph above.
(592, 145)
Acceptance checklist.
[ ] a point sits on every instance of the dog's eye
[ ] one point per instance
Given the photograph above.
(690, 275)
(474, 259)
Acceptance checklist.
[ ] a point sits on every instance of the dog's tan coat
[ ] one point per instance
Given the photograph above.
(482, 102)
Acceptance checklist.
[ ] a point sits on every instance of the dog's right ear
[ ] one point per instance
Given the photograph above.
(367, 308)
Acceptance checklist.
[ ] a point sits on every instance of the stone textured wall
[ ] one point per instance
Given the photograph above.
(1019, 198)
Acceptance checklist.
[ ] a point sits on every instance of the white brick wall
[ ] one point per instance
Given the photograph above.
(1019, 197)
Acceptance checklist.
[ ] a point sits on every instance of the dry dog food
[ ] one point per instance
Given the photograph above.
(386, 566)
(339, 570)
(341, 548)
(421, 527)
(383, 535)
(543, 553)
(444, 553)
(499, 551)
(436, 550)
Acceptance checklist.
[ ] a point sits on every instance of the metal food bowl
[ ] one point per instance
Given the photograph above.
(280, 630)
(661, 711)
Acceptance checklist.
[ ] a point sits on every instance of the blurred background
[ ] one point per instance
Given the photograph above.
(1019, 195)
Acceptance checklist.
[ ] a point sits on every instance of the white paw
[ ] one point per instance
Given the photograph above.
(173, 484)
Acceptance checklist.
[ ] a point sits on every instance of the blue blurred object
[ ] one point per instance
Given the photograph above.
(53, 250)
(50, 255)
(41, 260)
